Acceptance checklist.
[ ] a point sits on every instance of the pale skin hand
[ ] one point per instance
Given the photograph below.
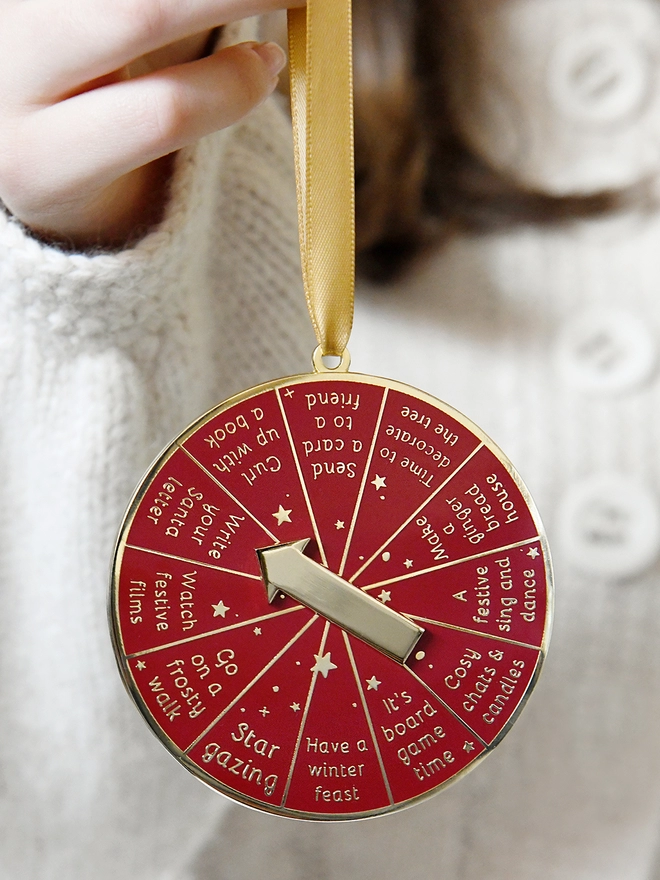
(96, 95)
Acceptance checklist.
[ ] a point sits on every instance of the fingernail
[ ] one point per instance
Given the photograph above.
(272, 56)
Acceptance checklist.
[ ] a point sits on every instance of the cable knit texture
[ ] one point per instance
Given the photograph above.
(102, 359)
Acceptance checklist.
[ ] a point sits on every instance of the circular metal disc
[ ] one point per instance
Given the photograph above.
(390, 629)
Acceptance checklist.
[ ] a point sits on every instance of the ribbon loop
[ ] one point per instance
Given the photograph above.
(321, 68)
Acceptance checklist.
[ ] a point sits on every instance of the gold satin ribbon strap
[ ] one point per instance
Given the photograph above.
(321, 68)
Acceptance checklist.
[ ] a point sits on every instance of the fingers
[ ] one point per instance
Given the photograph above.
(129, 124)
(76, 42)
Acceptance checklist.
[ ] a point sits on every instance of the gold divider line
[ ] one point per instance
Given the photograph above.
(363, 699)
(230, 494)
(217, 632)
(303, 485)
(414, 574)
(161, 553)
(445, 705)
(415, 513)
(303, 720)
(248, 687)
(473, 632)
(358, 502)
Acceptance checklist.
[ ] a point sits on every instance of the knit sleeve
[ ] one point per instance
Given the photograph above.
(77, 296)
(103, 359)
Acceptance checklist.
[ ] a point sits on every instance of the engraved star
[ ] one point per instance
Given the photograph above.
(339, 524)
(408, 563)
(257, 630)
(264, 711)
(373, 683)
(295, 707)
(220, 610)
(533, 552)
(379, 482)
(469, 747)
(141, 665)
(323, 664)
(282, 516)
(385, 596)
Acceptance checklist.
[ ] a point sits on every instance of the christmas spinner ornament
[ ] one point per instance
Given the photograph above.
(332, 594)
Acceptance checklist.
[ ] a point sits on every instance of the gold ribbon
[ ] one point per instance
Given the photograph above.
(321, 70)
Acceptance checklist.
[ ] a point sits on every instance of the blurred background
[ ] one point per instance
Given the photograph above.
(508, 159)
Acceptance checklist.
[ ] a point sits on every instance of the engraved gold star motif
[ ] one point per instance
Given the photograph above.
(533, 552)
(220, 610)
(323, 664)
(295, 707)
(379, 482)
(257, 630)
(141, 665)
(385, 596)
(408, 563)
(373, 683)
(264, 711)
(339, 524)
(469, 747)
(282, 516)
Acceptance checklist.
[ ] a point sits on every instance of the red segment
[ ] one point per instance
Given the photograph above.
(479, 510)
(247, 449)
(163, 600)
(337, 769)
(186, 686)
(417, 448)
(185, 513)
(503, 594)
(483, 680)
(333, 429)
(421, 742)
(251, 748)
(216, 647)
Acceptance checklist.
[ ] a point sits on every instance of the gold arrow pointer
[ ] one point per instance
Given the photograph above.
(286, 569)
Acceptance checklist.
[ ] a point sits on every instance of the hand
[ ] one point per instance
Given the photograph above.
(95, 95)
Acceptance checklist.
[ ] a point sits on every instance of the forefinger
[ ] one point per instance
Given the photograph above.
(73, 42)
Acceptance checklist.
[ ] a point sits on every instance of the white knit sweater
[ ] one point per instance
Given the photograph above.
(104, 358)
(574, 790)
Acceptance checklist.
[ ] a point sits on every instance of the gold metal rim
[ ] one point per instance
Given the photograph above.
(321, 375)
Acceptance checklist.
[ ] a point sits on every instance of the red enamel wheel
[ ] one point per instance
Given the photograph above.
(331, 596)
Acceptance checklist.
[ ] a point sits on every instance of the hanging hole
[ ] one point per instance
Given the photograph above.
(330, 363)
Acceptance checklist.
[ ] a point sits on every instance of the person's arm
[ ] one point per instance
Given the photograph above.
(95, 95)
